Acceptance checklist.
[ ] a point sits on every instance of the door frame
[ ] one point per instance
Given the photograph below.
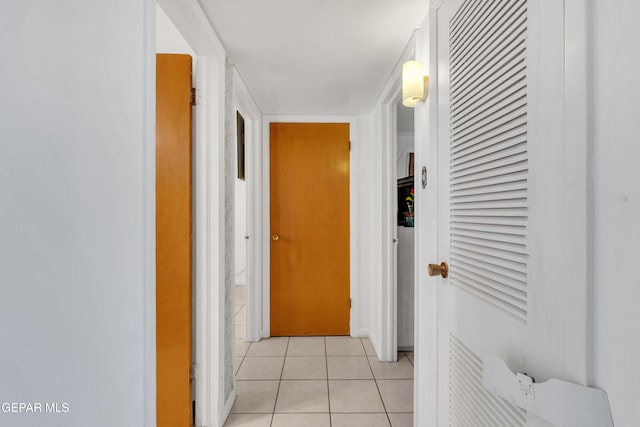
(253, 171)
(389, 236)
(266, 215)
(426, 207)
(390, 96)
(209, 79)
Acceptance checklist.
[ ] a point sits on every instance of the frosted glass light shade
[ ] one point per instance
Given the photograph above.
(415, 85)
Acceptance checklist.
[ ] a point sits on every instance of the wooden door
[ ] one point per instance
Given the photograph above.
(310, 266)
(173, 240)
(508, 208)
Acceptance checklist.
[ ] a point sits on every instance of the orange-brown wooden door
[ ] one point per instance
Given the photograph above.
(173, 240)
(309, 229)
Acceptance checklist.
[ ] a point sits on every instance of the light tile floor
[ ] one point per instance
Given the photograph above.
(318, 382)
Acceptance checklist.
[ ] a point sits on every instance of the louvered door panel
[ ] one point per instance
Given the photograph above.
(488, 153)
(470, 404)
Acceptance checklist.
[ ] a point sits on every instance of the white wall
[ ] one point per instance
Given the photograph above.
(240, 232)
(77, 257)
(616, 197)
(405, 141)
(168, 37)
(404, 147)
(364, 172)
(371, 223)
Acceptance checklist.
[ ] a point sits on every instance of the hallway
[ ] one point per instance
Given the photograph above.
(317, 382)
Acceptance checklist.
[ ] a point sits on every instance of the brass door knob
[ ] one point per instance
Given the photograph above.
(275, 237)
(439, 270)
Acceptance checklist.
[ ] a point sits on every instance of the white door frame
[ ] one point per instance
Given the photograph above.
(253, 173)
(426, 212)
(354, 287)
(390, 97)
(209, 79)
(389, 237)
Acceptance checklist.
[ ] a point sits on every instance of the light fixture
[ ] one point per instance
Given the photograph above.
(415, 85)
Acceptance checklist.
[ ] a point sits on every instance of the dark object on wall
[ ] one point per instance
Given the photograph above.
(405, 185)
(240, 136)
(410, 164)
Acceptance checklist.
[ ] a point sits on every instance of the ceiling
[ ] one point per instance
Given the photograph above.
(320, 57)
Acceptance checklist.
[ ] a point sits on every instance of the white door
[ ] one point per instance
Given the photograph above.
(511, 206)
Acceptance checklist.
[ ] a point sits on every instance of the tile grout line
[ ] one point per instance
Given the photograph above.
(286, 350)
(235, 373)
(375, 380)
(326, 363)
(244, 303)
(244, 355)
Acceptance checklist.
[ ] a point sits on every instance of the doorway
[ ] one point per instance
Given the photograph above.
(248, 215)
(310, 223)
(405, 231)
(241, 235)
(176, 33)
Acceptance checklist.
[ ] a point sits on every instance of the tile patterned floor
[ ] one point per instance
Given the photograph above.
(318, 382)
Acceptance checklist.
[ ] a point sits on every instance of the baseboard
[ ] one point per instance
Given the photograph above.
(227, 407)
(375, 343)
(361, 333)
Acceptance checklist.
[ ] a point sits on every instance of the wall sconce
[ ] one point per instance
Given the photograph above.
(415, 85)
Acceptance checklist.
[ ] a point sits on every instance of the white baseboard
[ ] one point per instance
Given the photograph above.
(375, 343)
(361, 333)
(227, 407)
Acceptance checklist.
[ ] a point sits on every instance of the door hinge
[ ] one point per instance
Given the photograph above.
(192, 373)
(193, 97)
(350, 303)
(349, 145)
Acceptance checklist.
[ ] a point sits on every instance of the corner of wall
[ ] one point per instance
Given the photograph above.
(229, 191)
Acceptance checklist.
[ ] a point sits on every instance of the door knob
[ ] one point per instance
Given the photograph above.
(439, 270)
(275, 237)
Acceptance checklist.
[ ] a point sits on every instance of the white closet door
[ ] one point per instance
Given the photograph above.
(507, 209)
